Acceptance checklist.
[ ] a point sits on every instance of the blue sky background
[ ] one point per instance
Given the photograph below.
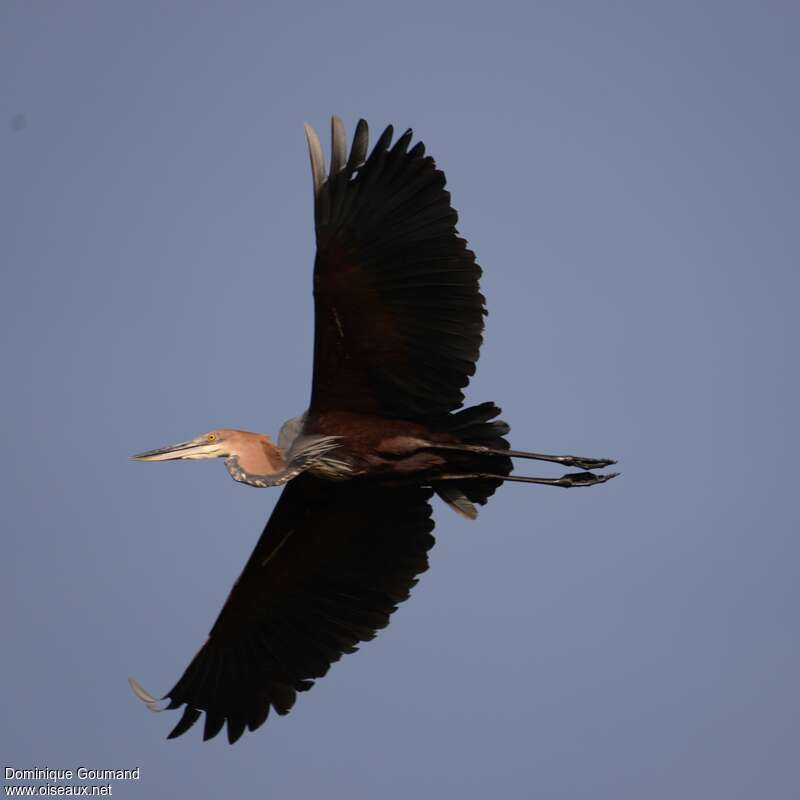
(628, 176)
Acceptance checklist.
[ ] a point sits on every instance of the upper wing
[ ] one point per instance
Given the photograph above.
(398, 314)
(332, 564)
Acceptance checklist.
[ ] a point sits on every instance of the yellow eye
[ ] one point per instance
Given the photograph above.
(212, 437)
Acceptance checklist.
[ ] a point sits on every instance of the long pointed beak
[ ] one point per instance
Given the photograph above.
(190, 449)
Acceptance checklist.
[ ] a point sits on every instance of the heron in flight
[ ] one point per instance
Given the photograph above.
(398, 327)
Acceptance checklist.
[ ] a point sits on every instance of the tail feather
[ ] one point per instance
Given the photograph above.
(474, 426)
(456, 499)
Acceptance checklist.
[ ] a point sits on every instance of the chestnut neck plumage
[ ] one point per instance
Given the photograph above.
(255, 460)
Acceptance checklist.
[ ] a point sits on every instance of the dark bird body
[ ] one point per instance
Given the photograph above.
(398, 329)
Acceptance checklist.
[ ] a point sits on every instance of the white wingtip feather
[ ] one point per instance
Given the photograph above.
(144, 695)
(317, 158)
(338, 145)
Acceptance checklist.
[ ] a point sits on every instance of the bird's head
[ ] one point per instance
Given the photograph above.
(250, 458)
(214, 444)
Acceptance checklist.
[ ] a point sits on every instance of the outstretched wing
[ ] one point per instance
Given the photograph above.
(398, 313)
(332, 564)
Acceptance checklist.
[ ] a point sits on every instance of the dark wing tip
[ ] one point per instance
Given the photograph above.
(236, 726)
(359, 147)
(401, 145)
(213, 725)
(216, 720)
(190, 716)
(385, 139)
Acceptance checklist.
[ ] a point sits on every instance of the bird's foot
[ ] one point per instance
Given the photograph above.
(572, 479)
(582, 462)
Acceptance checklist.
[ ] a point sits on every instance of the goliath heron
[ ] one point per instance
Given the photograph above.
(398, 327)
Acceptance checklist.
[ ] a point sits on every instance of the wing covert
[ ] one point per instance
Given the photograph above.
(333, 563)
(398, 311)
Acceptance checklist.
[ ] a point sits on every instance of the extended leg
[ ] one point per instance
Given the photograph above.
(567, 481)
(580, 462)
